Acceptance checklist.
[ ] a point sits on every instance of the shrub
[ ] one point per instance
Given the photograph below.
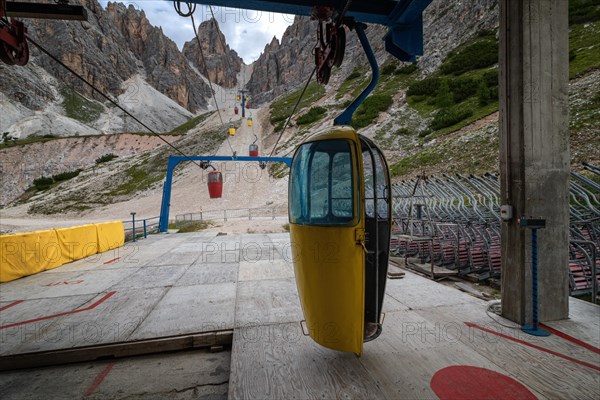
(463, 88)
(106, 158)
(407, 69)
(388, 69)
(581, 11)
(491, 78)
(481, 54)
(483, 94)
(42, 183)
(425, 87)
(419, 98)
(444, 98)
(353, 75)
(572, 55)
(446, 117)
(63, 176)
(403, 132)
(494, 94)
(370, 109)
(314, 114)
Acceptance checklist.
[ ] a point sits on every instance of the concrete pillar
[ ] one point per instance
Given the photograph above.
(534, 153)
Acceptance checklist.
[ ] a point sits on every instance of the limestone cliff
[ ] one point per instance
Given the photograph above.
(222, 63)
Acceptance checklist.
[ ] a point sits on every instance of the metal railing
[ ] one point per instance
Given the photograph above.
(135, 228)
(225, 215)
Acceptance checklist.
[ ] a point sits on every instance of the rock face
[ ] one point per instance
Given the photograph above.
(448, 24)
(287, 65)
(166, 68)
(120, 53)
(113, 45)
(222, 63)
(284, 64)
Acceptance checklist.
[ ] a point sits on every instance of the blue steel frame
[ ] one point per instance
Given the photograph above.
(163, 224)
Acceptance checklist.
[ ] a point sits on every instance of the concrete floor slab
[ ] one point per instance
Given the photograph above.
(207, 274)
(173, 258)
(107, 319)
(46, 285)
(147, 277)
(265, 269)
(190, 309)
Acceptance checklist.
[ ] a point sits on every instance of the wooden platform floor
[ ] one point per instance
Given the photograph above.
(178, 284)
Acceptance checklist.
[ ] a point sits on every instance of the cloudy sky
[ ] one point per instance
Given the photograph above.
(247, 32)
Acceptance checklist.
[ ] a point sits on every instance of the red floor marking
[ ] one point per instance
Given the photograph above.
(466, 382)
(14, 303)
(571, 339)
(99, 379)
(90, 307)
(472, 325)
(64, 283)
(113, 260)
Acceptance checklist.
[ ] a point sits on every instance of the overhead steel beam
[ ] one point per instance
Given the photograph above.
(45, 11)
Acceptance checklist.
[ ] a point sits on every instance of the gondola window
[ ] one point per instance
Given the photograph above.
(322, 184)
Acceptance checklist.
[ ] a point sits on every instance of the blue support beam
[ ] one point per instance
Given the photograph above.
(346, 117)
(163, 224)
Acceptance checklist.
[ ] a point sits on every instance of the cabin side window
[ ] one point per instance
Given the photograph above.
(322, 184)
(371, 189)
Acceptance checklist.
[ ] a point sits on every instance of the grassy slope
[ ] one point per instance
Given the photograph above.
(128, 176)
(477, 152)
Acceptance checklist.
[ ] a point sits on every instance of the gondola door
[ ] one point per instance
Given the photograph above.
(377, 211)
(327, 237)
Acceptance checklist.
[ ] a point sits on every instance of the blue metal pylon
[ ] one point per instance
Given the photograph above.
(163, 224)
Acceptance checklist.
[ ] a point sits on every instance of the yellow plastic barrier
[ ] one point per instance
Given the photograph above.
(110, 235)
(24, 254)
(28, 253)
(78, 242)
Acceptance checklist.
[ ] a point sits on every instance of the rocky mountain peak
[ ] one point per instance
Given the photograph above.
(222, 63)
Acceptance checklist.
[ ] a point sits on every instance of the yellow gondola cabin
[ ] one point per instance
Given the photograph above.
(340, 226)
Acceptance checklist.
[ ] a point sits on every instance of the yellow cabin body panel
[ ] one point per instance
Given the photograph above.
(329, 269)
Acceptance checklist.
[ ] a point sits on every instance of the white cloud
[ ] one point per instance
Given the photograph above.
(246, 31)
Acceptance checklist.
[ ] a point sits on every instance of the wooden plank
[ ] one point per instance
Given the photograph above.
(468, 289)
(279, 362)
(583, 322)
(115, 350)
(267, 302)
(411, 349)
(426, 269)
(395, 272)
(545, 373)
(418, 292)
